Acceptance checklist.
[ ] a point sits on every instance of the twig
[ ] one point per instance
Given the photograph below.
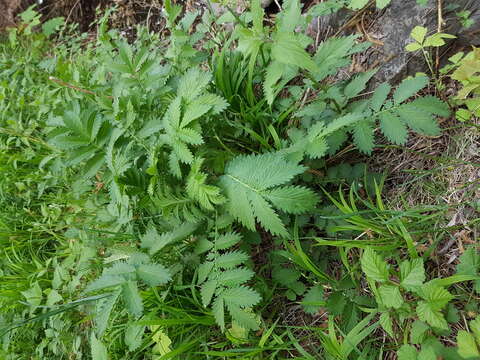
(439, 30)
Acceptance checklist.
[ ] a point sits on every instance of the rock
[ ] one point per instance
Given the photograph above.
(7, 13)
(390, 29)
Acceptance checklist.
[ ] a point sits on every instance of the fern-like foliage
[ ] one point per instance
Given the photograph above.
(180, 123)
(122, 279)
(222, 278)
(253, 186)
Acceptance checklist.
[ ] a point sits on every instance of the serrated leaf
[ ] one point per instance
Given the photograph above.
(103, 309)
(363, 136)
(286, 49)
(207, 290)
(204, 270)
(226, 241)
(153, 274)
(313, 300)
(219, 312)
(412, 274)
(407, 352)
(418, 332)
(358, 84)
(98, 350)
(391, 296)
(418, 33)
(231, 259)
(105, 281)
(292, 199)
(134, 336)
(432, 317)
(132, 298)
(374, 266)
(243, 318)
(467, 347)
(393, 128)
(241, 296)
(437, 296)
(432, 105)
(245, 182)
(408, 88)
(386, 323)
(234, 277)
(418, 120)
(273, 74)
(380, 96)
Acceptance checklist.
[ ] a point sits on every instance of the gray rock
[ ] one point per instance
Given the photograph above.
(392, 26)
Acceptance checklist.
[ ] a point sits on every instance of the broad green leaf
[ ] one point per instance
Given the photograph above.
(374, 266)
(207, 290)
(418, 120)
(134, 336)
(358, 84)
(407, 352)
(431, 316)
(286, 49)
(241, 296)
(391, 296)
(357, 4)
(386, 323)
(382, 3)
(437, 296)
(363, 136)
(467, 346)
(418, 33)
(412, 274)
(418, 332)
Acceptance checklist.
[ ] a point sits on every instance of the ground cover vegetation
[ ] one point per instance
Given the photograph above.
(195, 194)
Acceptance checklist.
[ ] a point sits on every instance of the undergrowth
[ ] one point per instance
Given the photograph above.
(174, 197)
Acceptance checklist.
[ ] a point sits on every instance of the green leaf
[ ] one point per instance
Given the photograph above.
(386, 323)
(231, 259)
(247, 183)
(98, 350)
(227, 240)
(431, 316)
(407, 352)
(51, 26)
(432, 105)
(382, 3)
(418, 34)
(470, 265)
(219, 312)
(103, 309)
(207, 290)
(290, 17)
(357, 4)
(437, 296)
(418, 333)
(418, 120)
(292, 199)
(358, 84)
(380, 96)
(313, 300)
(467, 347)
(286, 49)
(273, 74)
(241, 296)
(412, 274)
(234, 277)
(409, 87)
(391, 296)
(132, 298)
(363, 136)
(393, 128)
(134, 336)
(105, 281)
(243, 318)
(33, 295)
(374, 266)
(153, 274)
